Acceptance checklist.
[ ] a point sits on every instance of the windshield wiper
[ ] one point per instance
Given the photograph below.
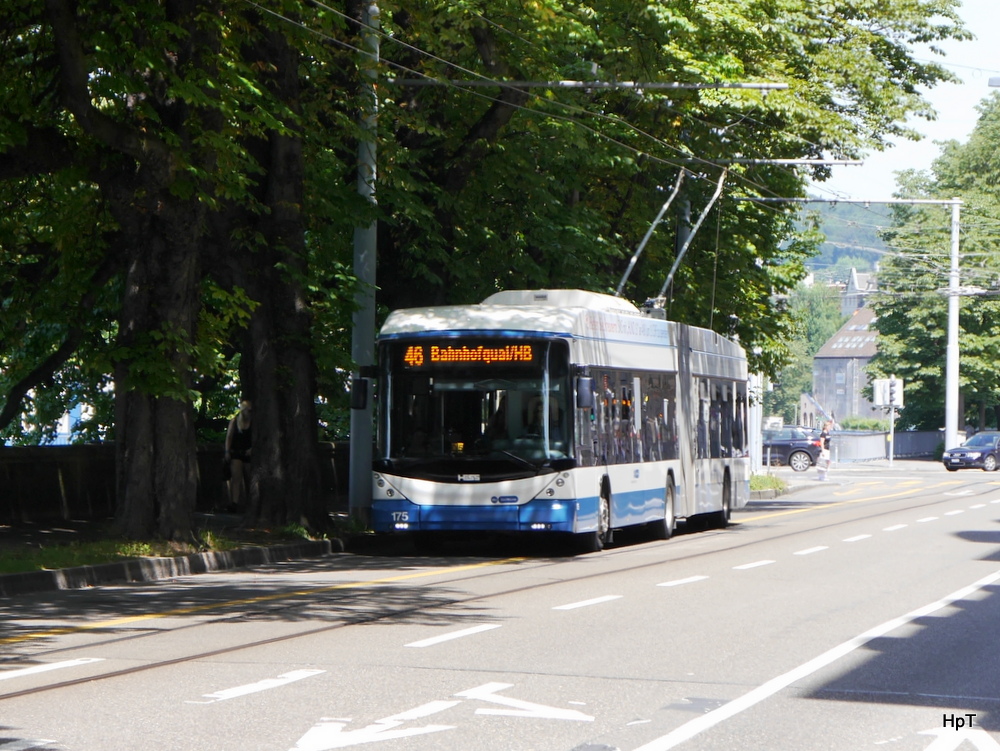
(520, 460)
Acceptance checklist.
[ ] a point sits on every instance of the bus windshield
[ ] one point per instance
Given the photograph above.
(466, 400)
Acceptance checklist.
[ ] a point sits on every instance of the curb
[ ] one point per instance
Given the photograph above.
(155, 569)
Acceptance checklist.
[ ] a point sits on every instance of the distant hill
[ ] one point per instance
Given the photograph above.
(851, 238)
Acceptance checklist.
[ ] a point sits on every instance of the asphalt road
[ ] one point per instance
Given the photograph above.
(858, 613)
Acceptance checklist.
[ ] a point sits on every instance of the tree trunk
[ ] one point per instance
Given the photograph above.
(285, 479)
(157, 450)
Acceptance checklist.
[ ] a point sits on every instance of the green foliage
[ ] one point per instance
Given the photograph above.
(478, 188)
(815, 311)
(865, 423)
(913, 315)
(767, 482)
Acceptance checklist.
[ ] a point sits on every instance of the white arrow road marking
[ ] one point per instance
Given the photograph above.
(487, 692)
(252, 688)
(709, 720)
(587, 603)
(950, 738)
(678, 582)
(329, 732)
(8, 674)
(453, 635)
(24, 745)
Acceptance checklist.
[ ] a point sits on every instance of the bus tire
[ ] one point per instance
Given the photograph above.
(720, 519)
(663, 529)
(594, 542)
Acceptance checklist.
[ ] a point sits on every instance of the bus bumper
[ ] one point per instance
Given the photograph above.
(535, 516)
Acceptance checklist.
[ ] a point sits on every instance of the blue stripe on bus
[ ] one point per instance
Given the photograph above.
(579, 515)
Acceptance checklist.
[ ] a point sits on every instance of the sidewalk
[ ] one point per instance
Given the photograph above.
(810, 478)
(18, 537)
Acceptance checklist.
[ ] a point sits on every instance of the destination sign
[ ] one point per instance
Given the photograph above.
(423, 355)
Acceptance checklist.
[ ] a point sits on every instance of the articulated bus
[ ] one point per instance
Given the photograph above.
(556, 411)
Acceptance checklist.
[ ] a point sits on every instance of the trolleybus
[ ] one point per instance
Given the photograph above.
(556, 411)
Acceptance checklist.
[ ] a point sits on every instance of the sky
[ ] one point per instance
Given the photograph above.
(974, 62)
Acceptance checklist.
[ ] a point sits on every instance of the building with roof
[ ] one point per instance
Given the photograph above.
(855, 293)
(839, 368)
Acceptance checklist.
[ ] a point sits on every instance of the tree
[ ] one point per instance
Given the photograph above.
(816, 311)
(178, 122)
(912, 320)
(191, 163)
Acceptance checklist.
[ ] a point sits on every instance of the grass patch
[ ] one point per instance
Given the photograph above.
(767, 482)
(40, 557)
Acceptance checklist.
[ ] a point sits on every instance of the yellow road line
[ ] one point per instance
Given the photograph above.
(115, 622)
(844, 503)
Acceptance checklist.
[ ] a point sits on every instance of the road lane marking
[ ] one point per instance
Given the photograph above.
(978, 505)
(679, 582)
(454, 635)
(709, 720)
(252, 688)
(955, 512)
(857, 538)
(6, 675)
(927, 519)
(894, 527)
(755, 564)
(587, 603)
(810, 551)
(195, 609)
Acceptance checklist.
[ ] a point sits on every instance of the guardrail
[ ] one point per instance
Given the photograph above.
(848, 446)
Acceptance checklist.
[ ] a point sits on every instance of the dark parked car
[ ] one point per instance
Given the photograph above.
(982, 450)
(792, 445)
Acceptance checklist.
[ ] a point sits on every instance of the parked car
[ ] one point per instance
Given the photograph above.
(793, 445)
(982, 450)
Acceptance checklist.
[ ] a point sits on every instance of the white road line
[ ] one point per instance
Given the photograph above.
(810, 551)
(678, 582)
(856, 538)
(755, 564)
(955, 512)
(709, 720)
(927, 519)
(8, 674)
(894, 527)
(978, 505)
(587, 603)
(453, 635)
(996, 501)
(253, 688)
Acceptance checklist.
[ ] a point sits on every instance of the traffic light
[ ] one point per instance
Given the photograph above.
(892, 391)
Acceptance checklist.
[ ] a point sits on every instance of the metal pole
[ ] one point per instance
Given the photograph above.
(952, 353)
(363, 335)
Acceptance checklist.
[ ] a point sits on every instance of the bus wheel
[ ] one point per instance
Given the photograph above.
(592, 542)
(721, 518)
(663, 529)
